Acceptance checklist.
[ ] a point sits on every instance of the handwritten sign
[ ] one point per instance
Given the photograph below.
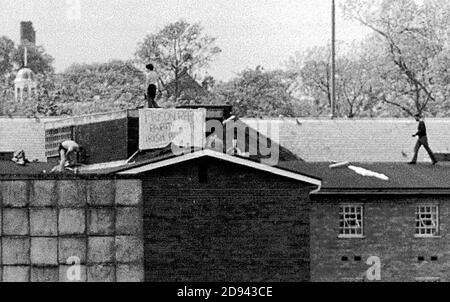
(158, 128)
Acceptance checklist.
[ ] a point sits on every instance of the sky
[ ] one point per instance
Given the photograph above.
(249, 32)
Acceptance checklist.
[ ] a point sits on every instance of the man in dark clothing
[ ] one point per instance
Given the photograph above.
(422, 141)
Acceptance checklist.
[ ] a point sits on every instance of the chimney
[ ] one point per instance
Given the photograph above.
(27, 33)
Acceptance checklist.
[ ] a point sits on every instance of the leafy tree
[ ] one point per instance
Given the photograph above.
(177, 47)
(256, 93)
(7, 48)
(89, 88)
(38, 60)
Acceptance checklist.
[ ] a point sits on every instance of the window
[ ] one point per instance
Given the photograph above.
(54, 137)
(351, 221)
(427, 221)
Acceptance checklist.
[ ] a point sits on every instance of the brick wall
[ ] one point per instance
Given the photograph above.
(389, 227)
(44, 222)
(238, 224)
(104, 142)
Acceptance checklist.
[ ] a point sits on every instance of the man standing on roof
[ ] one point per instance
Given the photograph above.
(422, 141)
(151, 84)
(66, 150)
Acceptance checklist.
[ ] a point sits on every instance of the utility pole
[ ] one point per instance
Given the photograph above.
(333, 59)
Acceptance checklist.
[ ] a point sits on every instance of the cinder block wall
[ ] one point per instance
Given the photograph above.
(389, 228)
(45, 222)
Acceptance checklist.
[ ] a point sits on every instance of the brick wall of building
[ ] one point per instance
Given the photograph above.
(104, 142)
(45, 222)
(389, 229)
(207, 220)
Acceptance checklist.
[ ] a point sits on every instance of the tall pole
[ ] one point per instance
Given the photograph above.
(25, 61)
(333, 59)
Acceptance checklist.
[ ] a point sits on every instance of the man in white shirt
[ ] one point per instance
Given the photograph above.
(151, 84)
(66, 150)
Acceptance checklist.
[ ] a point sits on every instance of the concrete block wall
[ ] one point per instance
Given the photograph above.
(43, 223)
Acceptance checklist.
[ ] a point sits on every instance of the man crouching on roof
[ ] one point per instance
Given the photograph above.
(67, 149)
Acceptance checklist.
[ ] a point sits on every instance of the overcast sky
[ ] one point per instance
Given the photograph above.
(250, 32)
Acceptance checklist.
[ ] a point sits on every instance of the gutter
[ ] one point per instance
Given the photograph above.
(394, 192)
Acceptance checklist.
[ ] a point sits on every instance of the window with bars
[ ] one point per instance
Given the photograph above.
(54, 137)
(427, 220)
(351, 224)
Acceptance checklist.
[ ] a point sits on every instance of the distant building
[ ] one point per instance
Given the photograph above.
(27, 33)
(186, 86)
(25, 84)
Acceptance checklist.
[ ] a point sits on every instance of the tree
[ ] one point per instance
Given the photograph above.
(38, 60)
(177, 47)
(312, 69)
(11, 60)
(412, 36)
(7, 48)
(353, 79)
(100, 87)
(256, 93)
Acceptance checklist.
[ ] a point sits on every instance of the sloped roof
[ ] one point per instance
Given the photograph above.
(23, 134)
(187, 85)
(377, 140)
(401, 177)
(171, 159)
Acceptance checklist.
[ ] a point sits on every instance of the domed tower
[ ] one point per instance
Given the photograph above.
(25, 83)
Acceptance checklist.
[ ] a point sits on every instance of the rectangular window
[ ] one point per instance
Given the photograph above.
(427, 221)
(54, 137)
(351, 221)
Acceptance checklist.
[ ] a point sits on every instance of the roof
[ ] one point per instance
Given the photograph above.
(90, 119)
(187, 85)
(169, 159)
(10, 168)
(388, 177)
(371, 140)
(23, 134)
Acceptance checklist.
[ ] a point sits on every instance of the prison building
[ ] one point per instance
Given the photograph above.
(27, 33)
(203, 216)
(357, 140)
(114, 136)
(397, 213)
(105, 137)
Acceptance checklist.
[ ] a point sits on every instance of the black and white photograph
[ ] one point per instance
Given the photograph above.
(231, 144)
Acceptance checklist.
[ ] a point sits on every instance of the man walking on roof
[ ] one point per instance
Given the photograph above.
(422, 141)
